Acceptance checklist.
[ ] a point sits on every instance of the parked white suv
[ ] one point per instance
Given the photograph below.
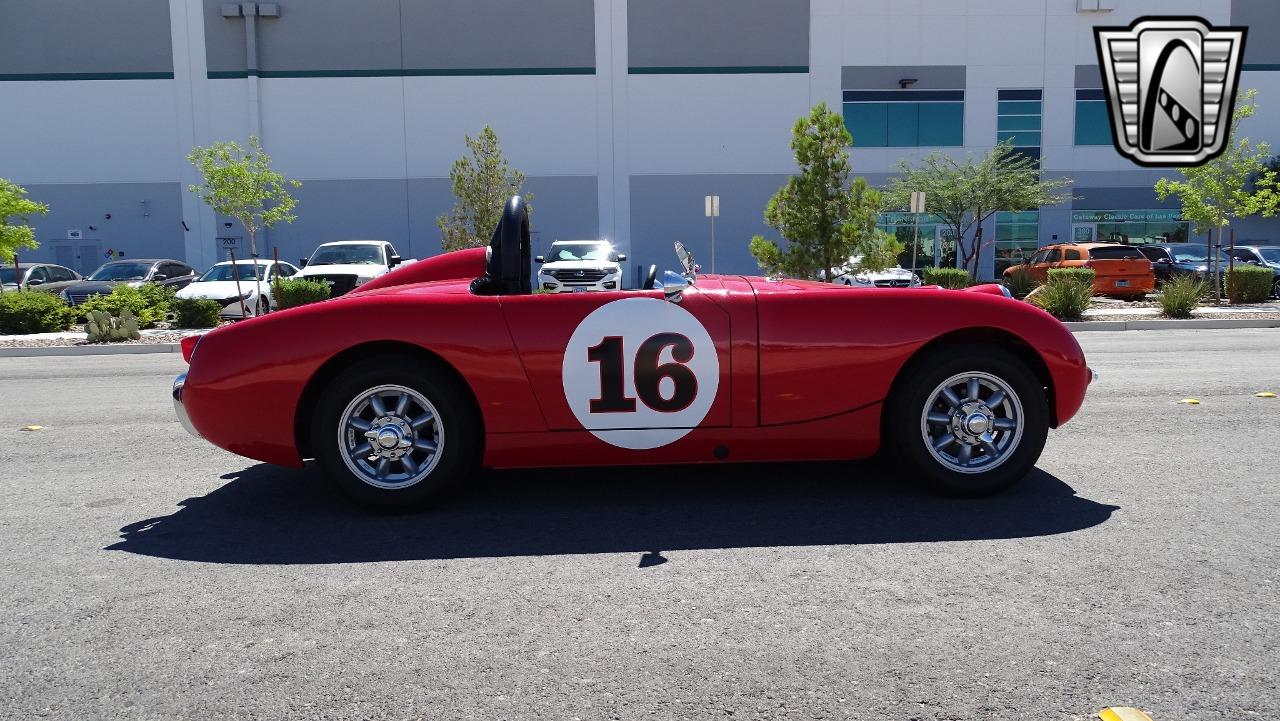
(347, 264)
(578, 265)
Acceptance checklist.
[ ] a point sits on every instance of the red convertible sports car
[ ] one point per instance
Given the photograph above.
(408, 384)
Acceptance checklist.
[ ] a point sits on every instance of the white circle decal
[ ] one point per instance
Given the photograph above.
(640, 373)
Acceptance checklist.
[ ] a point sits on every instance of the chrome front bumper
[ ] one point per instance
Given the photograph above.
(178, 408)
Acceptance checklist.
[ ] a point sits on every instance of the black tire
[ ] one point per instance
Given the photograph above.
(455, 414)
(911, 395)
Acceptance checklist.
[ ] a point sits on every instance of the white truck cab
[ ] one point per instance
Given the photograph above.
(580, 265)
(348, 264)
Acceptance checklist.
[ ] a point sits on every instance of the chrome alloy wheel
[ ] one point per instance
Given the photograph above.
(390, 436)
(972, 422)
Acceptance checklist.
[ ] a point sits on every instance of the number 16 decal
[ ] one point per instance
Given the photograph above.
(640, 373)
(649, 374)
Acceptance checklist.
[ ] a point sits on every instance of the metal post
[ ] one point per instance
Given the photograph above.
(915, 250)
(235, 275)
(250, 12)
(713, 244)
(275, 255)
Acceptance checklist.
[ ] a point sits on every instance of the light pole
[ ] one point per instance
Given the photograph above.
(711, 205)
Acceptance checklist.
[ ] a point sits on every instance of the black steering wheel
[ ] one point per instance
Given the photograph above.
(651, 278)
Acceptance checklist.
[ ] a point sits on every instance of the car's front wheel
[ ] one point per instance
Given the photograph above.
(394, 433)
(967, 420)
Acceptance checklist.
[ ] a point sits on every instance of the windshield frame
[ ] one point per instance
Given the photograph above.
(378, 248)
(553, 253)
(240, 269)
(1270, 255)
(1179, 253)
(120, 264)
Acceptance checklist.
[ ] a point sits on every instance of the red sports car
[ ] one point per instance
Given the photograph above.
(408, 384)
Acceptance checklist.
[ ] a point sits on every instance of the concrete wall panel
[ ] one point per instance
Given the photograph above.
(76, 37)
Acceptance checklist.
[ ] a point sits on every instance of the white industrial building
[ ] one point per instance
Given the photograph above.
(623, 115)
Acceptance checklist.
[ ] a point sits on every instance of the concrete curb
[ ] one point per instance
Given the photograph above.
(1172, 324)
(79, 350)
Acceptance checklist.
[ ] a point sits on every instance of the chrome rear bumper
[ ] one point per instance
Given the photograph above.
(178, 408)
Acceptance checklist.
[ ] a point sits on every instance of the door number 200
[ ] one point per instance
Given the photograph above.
(649, 374)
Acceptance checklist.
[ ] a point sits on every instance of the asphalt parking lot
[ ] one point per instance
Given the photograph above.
(150, 575)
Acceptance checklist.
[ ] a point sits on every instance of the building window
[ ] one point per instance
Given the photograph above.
(1017, 237)
(1018, 116)
(1093, 126)
(905, 118)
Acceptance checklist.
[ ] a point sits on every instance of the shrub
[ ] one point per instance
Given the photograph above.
(33, 312)
(149, 303)
(195, 312)
(1068, 293)
(1082, 275)
(104, 328)
(948, 277)
(300, 291)
(1249, 283)
(1019, 281)
(1180, 295)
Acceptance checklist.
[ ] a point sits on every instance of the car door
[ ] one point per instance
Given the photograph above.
(636, 370)
(1039, 268)
(177, 275)
(37, 277)
(59, 278)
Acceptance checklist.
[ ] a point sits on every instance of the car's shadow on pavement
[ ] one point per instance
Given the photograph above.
(267, 514)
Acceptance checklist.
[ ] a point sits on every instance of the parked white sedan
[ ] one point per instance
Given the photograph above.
(895, 277)
(242, 289)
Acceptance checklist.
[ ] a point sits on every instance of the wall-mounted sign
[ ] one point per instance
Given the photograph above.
(1124, 216)
(74, 234)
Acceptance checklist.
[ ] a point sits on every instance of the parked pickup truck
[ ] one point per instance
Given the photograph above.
(347, 264)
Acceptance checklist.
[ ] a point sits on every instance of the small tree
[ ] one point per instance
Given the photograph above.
(1239, 183)
(964, 194)
(824, 218)
(481, 187)
(15, 213)
(241, 184)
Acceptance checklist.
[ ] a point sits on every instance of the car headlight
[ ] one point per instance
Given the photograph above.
(361, 281)
(861, 280)
(63, 294)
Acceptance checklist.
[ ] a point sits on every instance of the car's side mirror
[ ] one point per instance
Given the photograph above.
(539, 259)
(622, 258)
(1163, 260)
(394, 261)
(35, 281)
(159, 277)
(302, 262)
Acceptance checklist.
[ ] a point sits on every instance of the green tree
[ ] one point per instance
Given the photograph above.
(1239, 183)
(825, 218)
(481, 184)
(964, 194)
(240, 184)
(15, 213)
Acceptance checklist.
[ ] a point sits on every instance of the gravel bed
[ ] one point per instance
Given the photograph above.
(1269, 315)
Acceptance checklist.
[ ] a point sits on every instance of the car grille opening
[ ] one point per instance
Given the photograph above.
(575, 277)
(338, 284)
(893, 283)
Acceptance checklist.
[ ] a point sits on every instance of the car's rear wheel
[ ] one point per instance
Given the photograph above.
(968, 420)
(394, 433)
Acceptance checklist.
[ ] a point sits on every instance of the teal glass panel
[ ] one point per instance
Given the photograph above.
(866, 123)
(1021, 140)
(1092, 125)
(1030, 216)
(904, 125)
(1018, 122)
(941, 124)
(1018, 107)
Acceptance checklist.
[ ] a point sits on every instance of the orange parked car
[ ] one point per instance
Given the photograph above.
(1119, 270)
